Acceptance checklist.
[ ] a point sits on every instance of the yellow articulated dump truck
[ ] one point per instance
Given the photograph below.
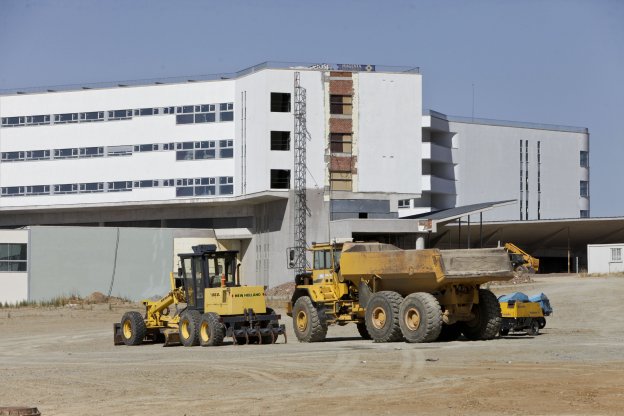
(393, 294)
(206, 304)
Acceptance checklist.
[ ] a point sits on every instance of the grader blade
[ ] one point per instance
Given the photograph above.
(172, 337)
(117, 339)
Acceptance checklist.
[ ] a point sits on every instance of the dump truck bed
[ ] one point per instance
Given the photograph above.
(422, 270)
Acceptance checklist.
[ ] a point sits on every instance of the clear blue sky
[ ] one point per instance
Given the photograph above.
(559, 62)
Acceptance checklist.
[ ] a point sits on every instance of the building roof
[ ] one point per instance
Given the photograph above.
(505, 123)
(215, 77)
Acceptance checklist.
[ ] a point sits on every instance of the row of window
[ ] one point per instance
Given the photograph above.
(205, 149)
(13, 257)
(188, 114)
(223, 185)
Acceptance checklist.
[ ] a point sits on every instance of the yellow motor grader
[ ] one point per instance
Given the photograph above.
(210, 304)
(393, 294)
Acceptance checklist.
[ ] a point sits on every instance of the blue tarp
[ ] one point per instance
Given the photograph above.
(543, 300)
(517, 296)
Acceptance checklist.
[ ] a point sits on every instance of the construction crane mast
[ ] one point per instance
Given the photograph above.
(300, 168)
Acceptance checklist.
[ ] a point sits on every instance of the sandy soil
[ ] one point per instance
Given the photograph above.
(63, 362)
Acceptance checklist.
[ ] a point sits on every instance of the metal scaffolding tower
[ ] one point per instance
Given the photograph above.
(300, 168)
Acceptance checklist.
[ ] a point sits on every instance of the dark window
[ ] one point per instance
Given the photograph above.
(280, 102)
(185, 119)
(12, 156)
(13, 121)
(147, 111)
(404, 203)
(66, 188)
(184, 191)
(37, 120)
(91, 187)
(363, 215)
(204, 190)
(584, 213)
(205, 118)
(204, 154)
(280, 140)
(65, 153)
(280, 179)
(120, 114)
(91, 152)
(184, 155)
(38, 155)
(13, 257)
(13, 191)
(145, 147)
(584, 159)
(38, 190)
(119, 186)
(66, 118)
(341, 143)
(92, 116)
(584, 189)
(226, 111)
(341, 104)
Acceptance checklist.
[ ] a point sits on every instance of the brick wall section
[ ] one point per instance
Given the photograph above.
(340, 74)
(341, 87)
(343, 164)
(340, 125)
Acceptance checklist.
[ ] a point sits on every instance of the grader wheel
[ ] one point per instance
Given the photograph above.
(307, 324)
(382, 317)
(189, 328)
(133, 328)
(211, 330)
(420, 317)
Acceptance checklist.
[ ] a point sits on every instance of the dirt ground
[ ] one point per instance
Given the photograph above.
(63, 362)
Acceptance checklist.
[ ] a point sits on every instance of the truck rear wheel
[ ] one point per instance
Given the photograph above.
(133, 328)
(541, 322)
(211, 330)
(361, 327)
(487, 321)
(308, 325)
(420, 317)
(189, 328)
(382, 317)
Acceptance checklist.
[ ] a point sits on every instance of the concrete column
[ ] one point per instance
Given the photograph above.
(420, 242)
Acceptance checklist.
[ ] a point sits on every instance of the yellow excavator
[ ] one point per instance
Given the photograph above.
(210, 304)
(521, 260)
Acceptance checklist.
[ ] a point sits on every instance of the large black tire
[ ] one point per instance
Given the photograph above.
(189, 328)
(382, 317)
(449, 333)
(133, 328)
(533, 328)
(361, 327)
(308, 325)
(420, 318)
(541, 322)
(211, 330)
(487, 322)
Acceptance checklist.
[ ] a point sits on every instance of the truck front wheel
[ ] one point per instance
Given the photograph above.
(382, 317)
(308, 325)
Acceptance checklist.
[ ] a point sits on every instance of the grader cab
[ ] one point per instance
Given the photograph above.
(210, 304)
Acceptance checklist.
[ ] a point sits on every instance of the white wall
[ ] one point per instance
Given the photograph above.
(599, 258)
(390, 131)
(14, 285)
(260, 121)
(489, 170)
(138, 130)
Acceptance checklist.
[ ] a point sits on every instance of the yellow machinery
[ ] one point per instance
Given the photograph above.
(521, 316)
(521, 260)
(393, 294)
(215, 306)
